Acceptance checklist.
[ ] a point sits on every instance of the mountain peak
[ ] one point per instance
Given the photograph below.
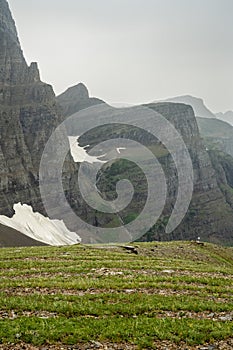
(7, 23)
(12, 62)
(13, 67)
(190, 97)
(76, 98)
(78, 91)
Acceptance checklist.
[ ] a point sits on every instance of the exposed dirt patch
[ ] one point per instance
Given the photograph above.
(22, 291)
(159, 345)
(214, 316)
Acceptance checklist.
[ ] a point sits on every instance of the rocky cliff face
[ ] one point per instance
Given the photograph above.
(210, 213)
(28, 115)
(12, 63)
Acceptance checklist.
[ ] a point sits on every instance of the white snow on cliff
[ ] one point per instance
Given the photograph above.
(80, 154)
(38, 227)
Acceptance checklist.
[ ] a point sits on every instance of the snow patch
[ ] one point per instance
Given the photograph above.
(80, 154)
(38, 227)
(120, 149)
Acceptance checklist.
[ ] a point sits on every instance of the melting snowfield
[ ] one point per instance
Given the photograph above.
(80, 154)
(38, 227)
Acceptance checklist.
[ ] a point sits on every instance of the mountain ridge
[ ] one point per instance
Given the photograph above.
(197, 104)
(227, 116)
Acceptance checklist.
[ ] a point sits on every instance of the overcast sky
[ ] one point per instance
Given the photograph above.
(132, 51)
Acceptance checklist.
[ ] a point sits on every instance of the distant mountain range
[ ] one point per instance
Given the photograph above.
(200, 109)
(216, 129)
(227, 116)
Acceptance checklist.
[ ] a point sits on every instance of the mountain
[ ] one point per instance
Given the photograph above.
(76, 98)
(209, 204)
(28, 116)
(30, 112)
(209, 216)
(14, 69)
(200, 110)
(227, 116)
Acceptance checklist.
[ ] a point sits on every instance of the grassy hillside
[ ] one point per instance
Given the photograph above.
(174, 295)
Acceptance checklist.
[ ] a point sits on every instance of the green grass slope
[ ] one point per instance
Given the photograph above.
(174, 295)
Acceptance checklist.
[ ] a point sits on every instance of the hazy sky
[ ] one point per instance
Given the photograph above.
(132, 51)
